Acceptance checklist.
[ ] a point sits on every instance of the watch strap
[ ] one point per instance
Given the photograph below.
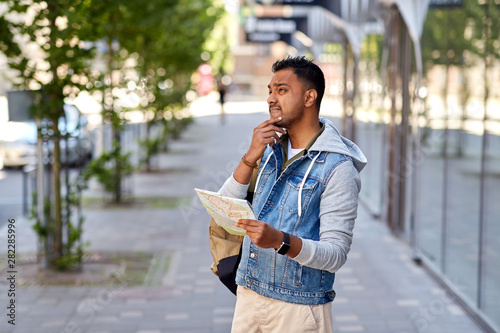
(285, 245)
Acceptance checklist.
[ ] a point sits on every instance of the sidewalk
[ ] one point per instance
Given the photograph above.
(379, 290)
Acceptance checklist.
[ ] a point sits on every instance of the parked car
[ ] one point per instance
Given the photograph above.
(79, 146)
(18, 141)
(18, 144)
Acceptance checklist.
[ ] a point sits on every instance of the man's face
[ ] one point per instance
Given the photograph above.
(286, 98)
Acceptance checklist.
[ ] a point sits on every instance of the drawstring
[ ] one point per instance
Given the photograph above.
(260, 173)
(303, 182)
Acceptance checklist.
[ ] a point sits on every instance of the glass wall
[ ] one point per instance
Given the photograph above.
(458, 205)
(462, 211)
(372, 117)
(371, 139)
(451, 208)
(429, 210)
(490, 265)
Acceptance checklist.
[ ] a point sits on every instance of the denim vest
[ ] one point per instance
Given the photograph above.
(276, 201)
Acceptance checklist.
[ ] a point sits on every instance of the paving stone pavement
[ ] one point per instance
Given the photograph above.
(379, 290)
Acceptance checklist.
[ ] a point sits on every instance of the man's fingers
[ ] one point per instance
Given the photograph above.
(248, 224)
(244, 222)
(260, 233)
(270, 132)
(275, 137)
(272, 128)
(263, 135)
(267, 132)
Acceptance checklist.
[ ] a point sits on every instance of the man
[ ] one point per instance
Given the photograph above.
(221, 87)
(305, 197)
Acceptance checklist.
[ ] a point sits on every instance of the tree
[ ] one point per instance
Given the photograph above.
(443, 44)
(371, 54)
(484, 22)
(458, 37)
(118, 25)
(50, 29)
(165, 40)
(155, 44)
(168, 53)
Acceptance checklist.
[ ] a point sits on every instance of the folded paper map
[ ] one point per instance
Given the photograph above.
(226, 211)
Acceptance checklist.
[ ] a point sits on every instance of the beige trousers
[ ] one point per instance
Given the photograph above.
(258, 314)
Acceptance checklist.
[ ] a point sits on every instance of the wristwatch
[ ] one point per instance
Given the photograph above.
(285, 245)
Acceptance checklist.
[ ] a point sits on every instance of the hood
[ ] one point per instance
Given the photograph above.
(331, 141)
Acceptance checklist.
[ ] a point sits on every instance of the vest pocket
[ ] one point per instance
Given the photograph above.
(288, 272)
(264, 175)
(293, 187)
(298, 274)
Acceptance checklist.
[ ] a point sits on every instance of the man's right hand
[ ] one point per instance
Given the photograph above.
(264, 134)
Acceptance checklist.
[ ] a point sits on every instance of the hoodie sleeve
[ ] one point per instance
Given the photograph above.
(338, 210)
(233, 189)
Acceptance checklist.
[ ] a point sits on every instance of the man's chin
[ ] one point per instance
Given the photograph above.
(274, 114)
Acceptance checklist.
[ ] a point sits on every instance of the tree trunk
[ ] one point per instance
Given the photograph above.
(56, 174)
(486, 34)
(118, 165)
(446, 106)
(464, 98)
(392, 181)
(57, 241)
(148, 150)
(115, 127)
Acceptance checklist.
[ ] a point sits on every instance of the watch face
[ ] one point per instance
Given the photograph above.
(283, 248)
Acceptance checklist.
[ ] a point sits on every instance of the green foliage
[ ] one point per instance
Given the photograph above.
(38, 227)
(151, 146)
(178, 125)
(443, 41)
(54, 29)
(73, 249)
(483, 20)
(103, 168)
(164, 39)
(72, 253)
(7, 44)
(451, 35)
(218, 42)
(165, 130)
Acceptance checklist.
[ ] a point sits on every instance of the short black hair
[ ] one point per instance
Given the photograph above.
(307, 72)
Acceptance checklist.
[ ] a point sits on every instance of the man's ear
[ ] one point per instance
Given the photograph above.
(310, 97)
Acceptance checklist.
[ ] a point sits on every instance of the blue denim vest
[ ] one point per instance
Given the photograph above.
(276, 201)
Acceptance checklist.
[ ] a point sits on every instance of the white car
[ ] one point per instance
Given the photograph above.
(18, 142)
